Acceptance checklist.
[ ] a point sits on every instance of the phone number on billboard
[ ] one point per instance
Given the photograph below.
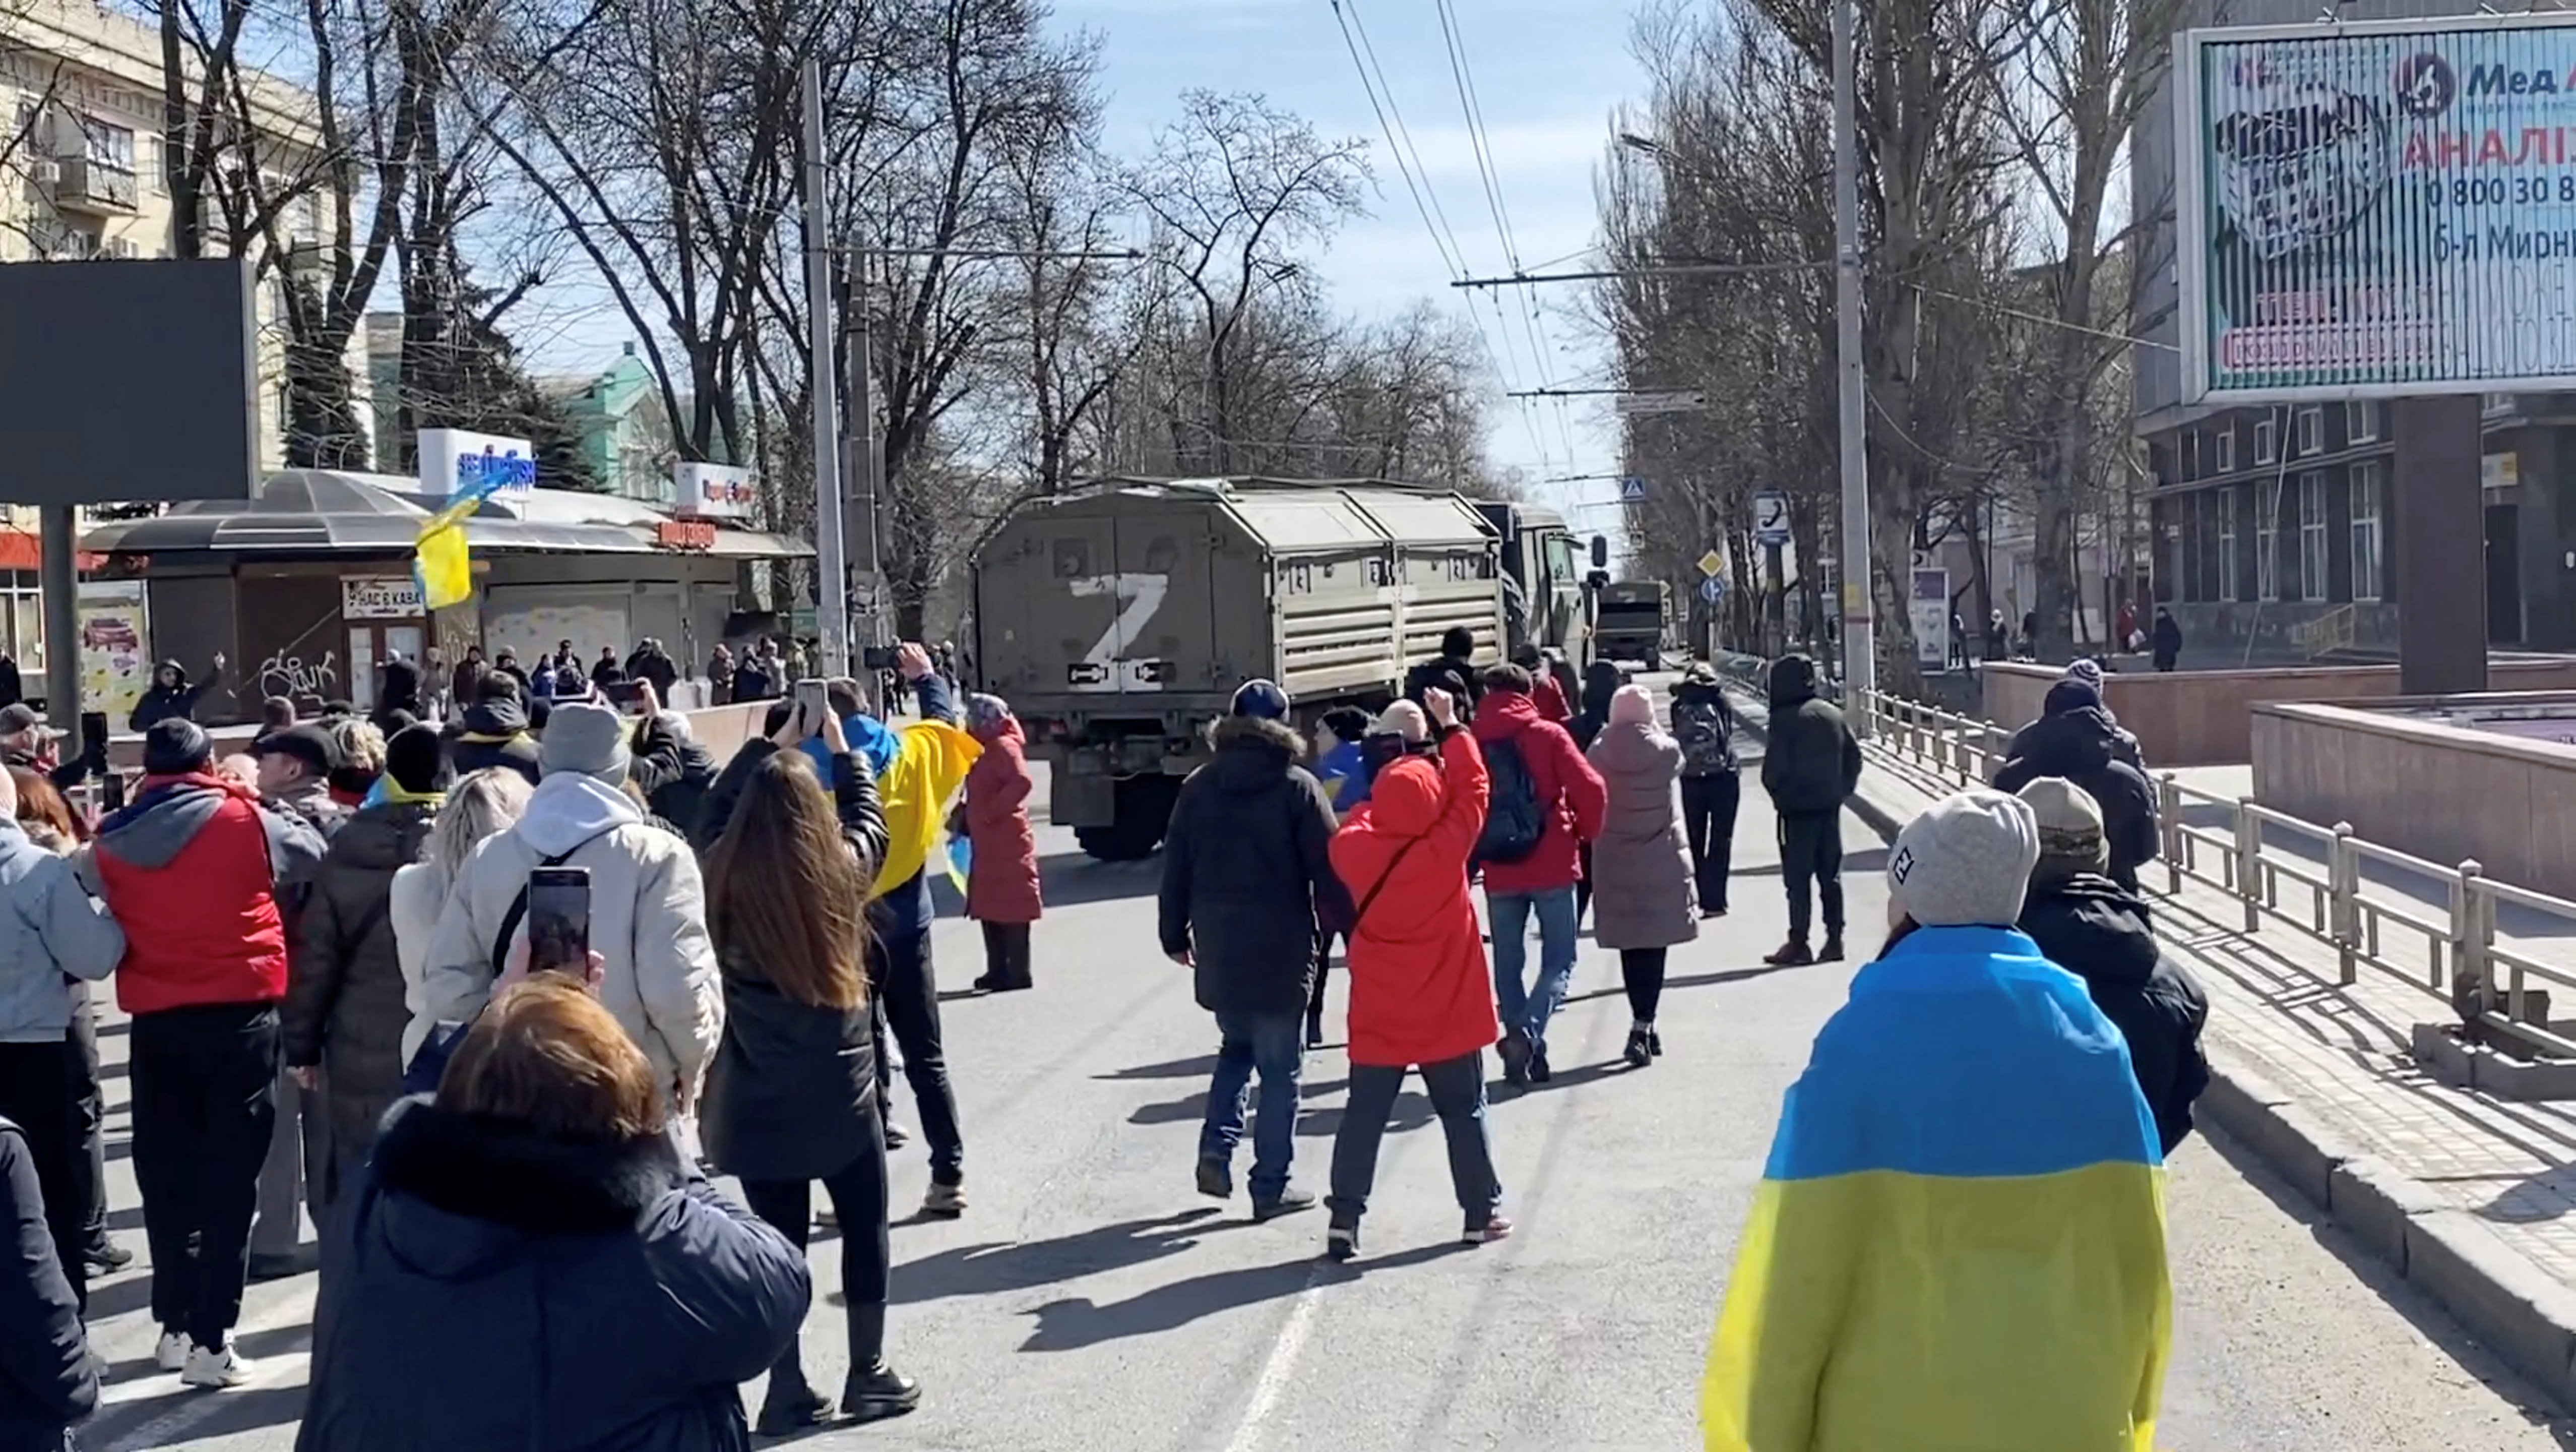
(2500, 191)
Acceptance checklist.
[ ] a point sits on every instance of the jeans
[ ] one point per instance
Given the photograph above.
(36, 1095)
(907, 990)
(1521, 1008)
(1274, 1046)
(860, 1203)
(1708, 824)
(1811, 852)
(1323, 970)
(1457, 1089)
(90, 1182)
(205, 1087)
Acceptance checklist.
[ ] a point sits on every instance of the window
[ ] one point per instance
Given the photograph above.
(2267, 540)
(159, 152)
(2492, 404)
(2227, 450)
(2266, 448)
(2365, 531)
(2190, 456)
(2361, 422)
(107, 146)
(2312, 433)
(2226, 544)
(2312, 536)
(1560, 559)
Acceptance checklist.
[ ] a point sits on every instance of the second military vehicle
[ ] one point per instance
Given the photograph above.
(1633, 619)
(1119, 617)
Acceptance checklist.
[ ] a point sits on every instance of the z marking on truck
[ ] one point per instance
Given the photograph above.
(1105, 667)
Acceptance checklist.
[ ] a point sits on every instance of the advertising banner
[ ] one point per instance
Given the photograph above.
(115, 668)
(454, 460)
(712, 491)
(2377, 209)
(1930, 609)
(380, 597)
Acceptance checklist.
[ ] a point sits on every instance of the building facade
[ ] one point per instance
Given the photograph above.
(85, 175)
(2275, 528)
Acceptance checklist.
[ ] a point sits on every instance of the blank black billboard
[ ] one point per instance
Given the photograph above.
(127, 382)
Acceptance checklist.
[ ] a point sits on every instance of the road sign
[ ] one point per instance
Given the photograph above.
(1632, 489)
(1629, 403)
(1771, 517)
(1712, 563)
(1712, 589)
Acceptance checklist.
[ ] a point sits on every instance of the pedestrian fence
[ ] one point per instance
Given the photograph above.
(2309, 879)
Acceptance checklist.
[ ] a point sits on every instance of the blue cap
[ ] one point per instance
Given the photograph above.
(1260, 699)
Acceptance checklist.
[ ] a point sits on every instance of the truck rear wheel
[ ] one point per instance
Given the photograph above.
(1144, 809)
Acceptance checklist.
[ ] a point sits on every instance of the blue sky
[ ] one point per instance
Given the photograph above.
(1547, 74)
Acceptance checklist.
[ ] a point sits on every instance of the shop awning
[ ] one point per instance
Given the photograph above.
(323, 512)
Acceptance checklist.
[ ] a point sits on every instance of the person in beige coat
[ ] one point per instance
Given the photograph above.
(1642, 899)
(648, 914)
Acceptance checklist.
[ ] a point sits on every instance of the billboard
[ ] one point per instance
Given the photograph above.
(127, 382)
(453, 459)
(2378, 209)
(713, 491)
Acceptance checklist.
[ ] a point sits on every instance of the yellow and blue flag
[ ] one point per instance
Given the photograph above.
(930, 762)
(1959, 1240)
(439, 560)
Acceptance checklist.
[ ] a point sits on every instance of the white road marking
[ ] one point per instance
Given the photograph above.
(1282, 1364)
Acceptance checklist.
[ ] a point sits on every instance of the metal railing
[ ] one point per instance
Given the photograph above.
(2337, 629)
(2327, 893)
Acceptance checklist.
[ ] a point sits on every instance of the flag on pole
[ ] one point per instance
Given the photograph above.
(439, 560)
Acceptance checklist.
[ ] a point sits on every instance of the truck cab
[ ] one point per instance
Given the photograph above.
(1547, 592)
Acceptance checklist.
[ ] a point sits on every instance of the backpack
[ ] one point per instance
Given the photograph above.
(1705, 735)
(1514, 816)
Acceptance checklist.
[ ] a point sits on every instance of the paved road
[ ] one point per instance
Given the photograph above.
(1090, 1301)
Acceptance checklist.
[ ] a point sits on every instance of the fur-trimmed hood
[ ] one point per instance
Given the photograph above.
(1251, 754)
(462, 1191)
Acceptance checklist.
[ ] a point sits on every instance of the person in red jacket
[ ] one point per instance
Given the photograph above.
(1538, 771)
(193, 871)
(1002, 872)
(1419, 994)
(1545, 689)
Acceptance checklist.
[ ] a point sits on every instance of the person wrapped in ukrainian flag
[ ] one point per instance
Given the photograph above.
(1958, 1244)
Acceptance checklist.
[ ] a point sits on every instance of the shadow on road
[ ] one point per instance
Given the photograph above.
(982, 1270)
(1872, 860)
(1197, 1068)
(1071, 1325)
(246, 1409)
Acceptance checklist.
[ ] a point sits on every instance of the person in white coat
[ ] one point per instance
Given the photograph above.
(648, 917)
(478, 806)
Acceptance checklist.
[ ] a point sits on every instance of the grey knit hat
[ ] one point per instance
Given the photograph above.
(2070, 829)
(2087, 670)
(586, 738)
(1965, 862)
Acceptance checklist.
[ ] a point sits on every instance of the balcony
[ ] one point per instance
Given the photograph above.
(89, 187)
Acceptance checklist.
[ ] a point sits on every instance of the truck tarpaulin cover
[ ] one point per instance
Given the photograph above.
(82, 347)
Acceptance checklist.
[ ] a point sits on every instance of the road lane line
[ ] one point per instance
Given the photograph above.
(1281, 1364)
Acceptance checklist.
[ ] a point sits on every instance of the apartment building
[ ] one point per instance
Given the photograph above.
(85, 174)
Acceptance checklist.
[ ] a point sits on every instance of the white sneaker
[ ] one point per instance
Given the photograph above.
(172, 1353)
(98, 1364)
(217, 1368)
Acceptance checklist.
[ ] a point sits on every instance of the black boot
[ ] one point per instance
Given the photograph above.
(874, 1390)
(791, 1404)
(1640, 1051)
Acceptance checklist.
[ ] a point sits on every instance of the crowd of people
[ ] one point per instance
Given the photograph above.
(324, 949)
(337, 1012)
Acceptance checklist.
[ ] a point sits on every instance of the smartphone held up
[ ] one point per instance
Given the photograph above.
(559, 921)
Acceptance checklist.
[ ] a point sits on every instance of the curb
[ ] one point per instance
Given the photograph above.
(2501, 1297)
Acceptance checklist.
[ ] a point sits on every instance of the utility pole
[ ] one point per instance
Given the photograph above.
(866, 549)
(831, 576)
(1860, 654)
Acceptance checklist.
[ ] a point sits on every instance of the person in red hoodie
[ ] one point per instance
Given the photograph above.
(1419, 994)
(191, 870)
(1546, 802)
(1544, 687)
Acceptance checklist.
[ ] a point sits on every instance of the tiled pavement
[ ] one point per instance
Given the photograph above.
(2340, 1053)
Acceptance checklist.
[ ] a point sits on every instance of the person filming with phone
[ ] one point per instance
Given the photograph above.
(638, 903)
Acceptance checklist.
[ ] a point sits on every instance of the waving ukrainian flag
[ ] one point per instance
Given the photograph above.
(1959, 1243)
(439, 560)
(930, 762)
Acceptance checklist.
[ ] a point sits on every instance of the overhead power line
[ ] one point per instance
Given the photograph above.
(1654, 269)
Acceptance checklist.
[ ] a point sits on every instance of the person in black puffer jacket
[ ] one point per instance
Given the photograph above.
(494, 731)
(792, 1097)
(1451, 670)
(2076, 739)
(2099, 931)
(531, 1260)
(675, 773)
(1810, 767)
(46, 1380)
(1248, 881)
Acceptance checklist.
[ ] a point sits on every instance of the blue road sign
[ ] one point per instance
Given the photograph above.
(1712, 588)
(1632, 489)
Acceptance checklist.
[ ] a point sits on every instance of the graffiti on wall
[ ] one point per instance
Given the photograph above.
(292, 675)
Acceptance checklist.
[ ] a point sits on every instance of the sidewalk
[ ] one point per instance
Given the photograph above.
(2473, 1198)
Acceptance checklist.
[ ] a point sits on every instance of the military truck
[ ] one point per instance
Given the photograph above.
(1119, 617)
(1632, 620)
(1548, 598)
